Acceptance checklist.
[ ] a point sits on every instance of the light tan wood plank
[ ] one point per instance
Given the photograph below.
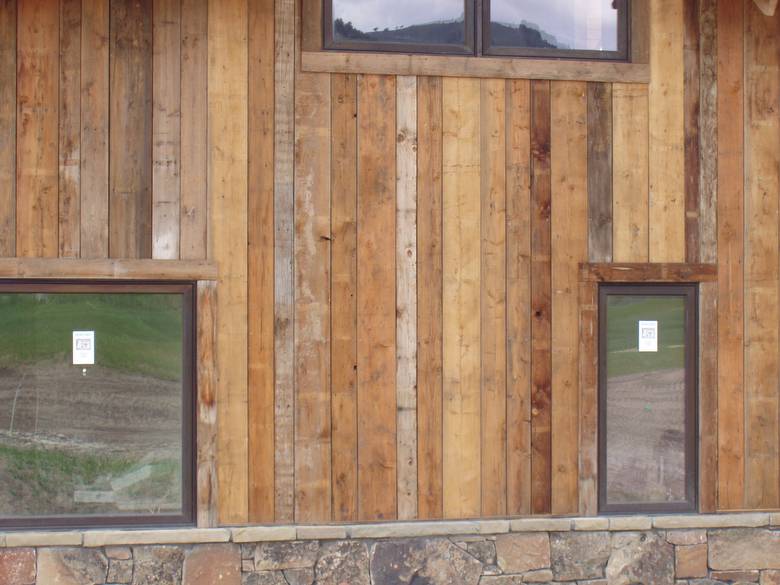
(70, 268)
(8, 127)
(208, 499)
(708, 121)
(589, 399)
(461, 330)
(708, 397)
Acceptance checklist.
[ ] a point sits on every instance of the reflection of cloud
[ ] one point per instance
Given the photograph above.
(367, 15)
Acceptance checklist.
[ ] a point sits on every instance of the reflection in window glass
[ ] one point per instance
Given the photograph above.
(645, 401)
(91, 440)
(590, 25)
(433, 22)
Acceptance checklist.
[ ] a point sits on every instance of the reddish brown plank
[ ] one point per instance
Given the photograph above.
(8, 127)
(599, 172)
(691, 121)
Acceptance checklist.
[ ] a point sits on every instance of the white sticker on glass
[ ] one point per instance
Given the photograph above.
(648, 336)
(83, 348)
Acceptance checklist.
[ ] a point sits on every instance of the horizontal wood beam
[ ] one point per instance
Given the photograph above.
(74, 269)
(488, 67)
(644, 272)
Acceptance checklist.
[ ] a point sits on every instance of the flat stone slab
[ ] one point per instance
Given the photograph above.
(17, 566)
(743, 549)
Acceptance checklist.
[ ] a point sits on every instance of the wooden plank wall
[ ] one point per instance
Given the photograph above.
(399, 255)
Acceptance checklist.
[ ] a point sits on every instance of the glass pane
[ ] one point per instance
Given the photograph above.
(555, 24)
(645, 415)
(434, 22)
(90, 439)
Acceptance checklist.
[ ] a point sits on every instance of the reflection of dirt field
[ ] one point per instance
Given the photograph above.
(645, 441)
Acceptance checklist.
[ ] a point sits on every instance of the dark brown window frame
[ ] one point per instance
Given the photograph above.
(189, 392)
(477, 39)
(691, 293)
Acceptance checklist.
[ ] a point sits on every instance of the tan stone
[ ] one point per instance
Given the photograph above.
(263, 533)
(518, 553)
(120, 571)
(17, 566)
(735, 576)
(321, 532)
(691, 561)
(71, 566)
(413, 529)
(36, 539)
(591, 524)
(501, 580)
(770, 578)
(744, 549)
(211, 564)
(540, 525)
(540, 576)
(98, 538)
(752, 520)
(120, 553)
(686, 537)
(630, 523)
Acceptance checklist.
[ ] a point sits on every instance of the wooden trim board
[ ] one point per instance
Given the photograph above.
(643, 272)
(67, 269)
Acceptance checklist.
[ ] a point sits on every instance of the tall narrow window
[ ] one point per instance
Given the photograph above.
(647, 378)
(96, 391)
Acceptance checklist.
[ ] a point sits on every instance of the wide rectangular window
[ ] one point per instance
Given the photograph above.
(96, 395)
(647, 387)
(592, 29)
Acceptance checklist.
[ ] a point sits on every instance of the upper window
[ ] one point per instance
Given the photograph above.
(591, 29)
(96, 417)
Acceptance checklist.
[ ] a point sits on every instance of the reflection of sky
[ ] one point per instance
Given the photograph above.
(577, 24)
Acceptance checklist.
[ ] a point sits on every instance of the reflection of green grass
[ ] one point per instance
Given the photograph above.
(623, 314)
(138, 333)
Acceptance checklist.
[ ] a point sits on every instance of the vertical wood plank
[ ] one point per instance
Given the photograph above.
(344, 295)
(630, 173)
(589, 398)
(541, 300)
(94, 129)
(36, 130)
(708, 130)
(692, 100)
(762, 183)
(429, 298)
(284, 125)
(518, 291)
(731, 424)
(708, 396)
(376, 298)
(227, 104)
(312, 298)
(461, 329)
(667, 138)
(70, 129)
(8, 128)
(569, 225)
(406, 295)
(194, 116)
(207, 405)
(260, 236)
(493, 295)
(600, 172)
(166, 129)
(130, 149)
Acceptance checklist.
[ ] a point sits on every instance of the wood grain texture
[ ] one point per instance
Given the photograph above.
(70, 129)
(208, 500)
(708, 130)
(312, 298)
(630, 186)
(94, 219)
(640, 31)
(569, 226)
(406, 296)
(36, 130)
(130, 140)
(589, 398)
(429, 298)
(260, 235)
(8, 127)
(762, 183)
(194, 115)
(691, 119)
(493, 333)
(541, 300)
(518, 291)
(461, 329)
(228, 116)
(99, 268)
(376, 298)
(166, 129)
(708, 397)
(343, 313)
(284, 124)
(599, 172)
(644, 272)
(667, 136)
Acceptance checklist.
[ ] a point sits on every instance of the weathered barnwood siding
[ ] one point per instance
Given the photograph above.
(399, 318)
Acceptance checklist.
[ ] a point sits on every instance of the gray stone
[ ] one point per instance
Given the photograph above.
(121, 553)
(579, 555)
(17, 566)
(213, 563)
(299, 576)
(277, 556)
(158, 565)
(343, 563)
(120, 571)
(423, 562)
(540, 576)
(641, 557)
(744, 549)
(518, 553)
(264, 578)
(502, 580)
(71, 566)
(481, 549)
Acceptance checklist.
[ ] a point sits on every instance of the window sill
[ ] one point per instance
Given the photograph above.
(488, 67)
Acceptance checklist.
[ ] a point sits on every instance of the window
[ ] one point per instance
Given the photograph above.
(593, 29)
(96, 415)
(647, 388)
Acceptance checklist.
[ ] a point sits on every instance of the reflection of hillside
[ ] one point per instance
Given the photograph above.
(442, 33)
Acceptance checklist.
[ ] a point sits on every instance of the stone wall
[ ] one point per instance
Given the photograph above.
(584, 552)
